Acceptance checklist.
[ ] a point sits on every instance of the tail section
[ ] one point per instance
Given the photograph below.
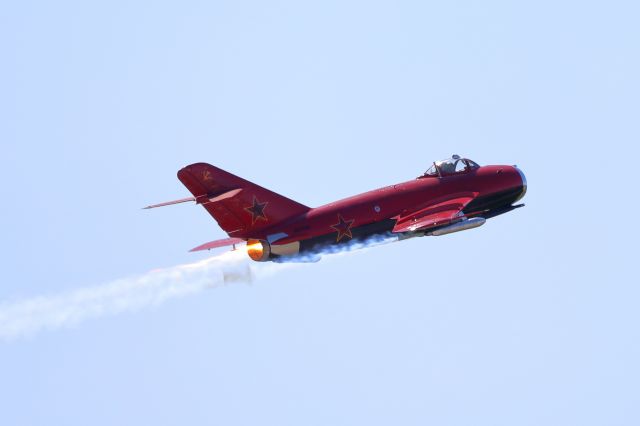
(240, 207)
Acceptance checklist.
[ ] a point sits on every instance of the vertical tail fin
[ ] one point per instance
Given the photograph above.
(240, 207)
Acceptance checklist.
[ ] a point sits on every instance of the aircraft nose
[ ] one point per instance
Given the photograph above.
(524, 183)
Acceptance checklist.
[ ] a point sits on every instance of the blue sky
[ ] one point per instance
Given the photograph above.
(531, 319)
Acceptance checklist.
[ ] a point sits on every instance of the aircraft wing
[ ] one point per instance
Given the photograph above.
(438, 214)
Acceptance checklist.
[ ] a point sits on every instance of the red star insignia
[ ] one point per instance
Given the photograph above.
(343, 227)
(257, 210)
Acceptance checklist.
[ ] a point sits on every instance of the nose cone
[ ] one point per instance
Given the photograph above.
(524, 183)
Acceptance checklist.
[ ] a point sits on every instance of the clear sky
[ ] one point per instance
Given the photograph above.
(532, 319)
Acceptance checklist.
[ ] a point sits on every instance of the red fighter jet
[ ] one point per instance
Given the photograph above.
(453, 195)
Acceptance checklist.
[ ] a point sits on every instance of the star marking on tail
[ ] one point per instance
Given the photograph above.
(206, 176)
(257, 211)
(343, 227)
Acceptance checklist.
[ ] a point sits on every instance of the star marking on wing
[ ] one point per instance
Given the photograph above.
(343, 227)
(257, 210)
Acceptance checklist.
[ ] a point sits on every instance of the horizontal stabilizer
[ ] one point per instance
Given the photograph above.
(218, 243)
(168, 203)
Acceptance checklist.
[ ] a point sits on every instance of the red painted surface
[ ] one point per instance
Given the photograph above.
(248, 211)
(434, 215)
(231, 199)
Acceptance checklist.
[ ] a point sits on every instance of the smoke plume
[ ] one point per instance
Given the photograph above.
(27, 317)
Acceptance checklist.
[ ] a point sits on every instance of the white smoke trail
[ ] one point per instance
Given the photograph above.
(27, 317)
(345, 248)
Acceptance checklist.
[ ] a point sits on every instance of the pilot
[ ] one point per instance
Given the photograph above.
(447, 167)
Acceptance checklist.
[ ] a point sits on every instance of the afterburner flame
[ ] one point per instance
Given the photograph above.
(255, 250)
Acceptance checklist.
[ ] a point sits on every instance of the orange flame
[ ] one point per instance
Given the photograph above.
(255, 250)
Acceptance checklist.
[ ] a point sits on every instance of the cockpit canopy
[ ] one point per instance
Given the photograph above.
(450, 166)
